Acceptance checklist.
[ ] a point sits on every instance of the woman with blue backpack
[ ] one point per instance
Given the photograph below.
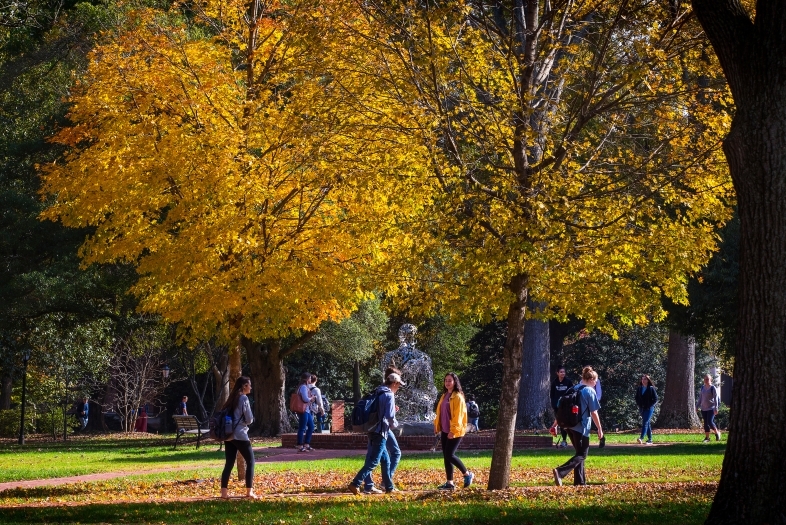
(238, 441)
(584, 406)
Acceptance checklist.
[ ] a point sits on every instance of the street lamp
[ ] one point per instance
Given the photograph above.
(25, 359)
(165, 371)
(162, 414)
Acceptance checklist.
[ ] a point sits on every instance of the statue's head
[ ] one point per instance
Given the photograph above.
(407, 333)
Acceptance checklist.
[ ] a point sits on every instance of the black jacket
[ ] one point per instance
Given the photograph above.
(646, 399)
(558, 388)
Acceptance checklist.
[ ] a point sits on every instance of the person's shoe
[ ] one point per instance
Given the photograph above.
(468, 477)
(303, 449)
(394, 489)
(447, 486)
(706, 440)
(354, 489)
(649, 442)
(557, 479)
(638, 440)
(602, 442)
(308, 448)
(563, 444)
(717, 435)
(372, 490)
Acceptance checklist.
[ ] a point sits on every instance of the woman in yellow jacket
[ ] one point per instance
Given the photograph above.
(451, 425)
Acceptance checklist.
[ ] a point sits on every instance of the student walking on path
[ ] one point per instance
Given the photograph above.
(317, 405)
(646, 398)
(239, 442)
(391, 455)
(579, 434)
(559, 386)
(305, 419)
(378, 435)
(709, 403)
(451, 425)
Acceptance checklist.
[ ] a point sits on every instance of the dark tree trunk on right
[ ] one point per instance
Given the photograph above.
(678, 409)
(753, 56)
(6, 385)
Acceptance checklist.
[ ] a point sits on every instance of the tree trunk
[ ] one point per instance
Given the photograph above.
(6, 385)
(499, 476)
(356, 382)
(235, 370)
(221, 381)
(753, 57)
(534, 402)
(678, 409)
(268, 375)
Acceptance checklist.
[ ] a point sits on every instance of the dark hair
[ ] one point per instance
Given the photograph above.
(649, 380)
(456, 383)
(391, 370)
(560, 368)
(313, 378)
(470, 397)
(305, 377)
(237, 391)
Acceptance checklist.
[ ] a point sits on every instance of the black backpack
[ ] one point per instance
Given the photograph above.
(569, 407)
(222, 424)
(473, 410)
(365, 415)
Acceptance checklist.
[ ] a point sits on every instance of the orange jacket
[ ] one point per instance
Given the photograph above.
(458, 415)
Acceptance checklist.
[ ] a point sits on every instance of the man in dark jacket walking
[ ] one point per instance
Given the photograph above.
(559, 386)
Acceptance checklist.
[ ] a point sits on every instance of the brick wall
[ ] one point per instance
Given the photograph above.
(475, 441)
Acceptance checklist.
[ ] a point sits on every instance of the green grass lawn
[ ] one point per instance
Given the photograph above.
(669, 484)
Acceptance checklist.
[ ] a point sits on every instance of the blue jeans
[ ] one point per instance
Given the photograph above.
(305, 421)
(709, 420)
(475, 421)
(374, 453)
(391, 455)
(319, 421)
(646, 427)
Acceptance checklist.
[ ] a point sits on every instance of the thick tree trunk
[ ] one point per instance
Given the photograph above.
(499, 476)
(752, 484)
(268, 375)
(235, 370)
(534, 402)
(6, 385)
(678, 409)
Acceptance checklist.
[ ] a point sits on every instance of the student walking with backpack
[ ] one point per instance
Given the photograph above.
(583, 406)
(317, 406)
(473, 412)
(451, 425)
(646, 398)
(708, 403)
(559, 385)
(240, 408)
(391, 455)
(305, 419)
(378, 435)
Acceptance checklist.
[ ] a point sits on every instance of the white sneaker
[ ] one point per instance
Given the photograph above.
(638, 440)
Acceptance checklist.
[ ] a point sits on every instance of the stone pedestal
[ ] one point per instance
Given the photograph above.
(337, 414)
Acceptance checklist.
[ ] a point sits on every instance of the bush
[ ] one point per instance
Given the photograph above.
(722, 419)
(9, 422)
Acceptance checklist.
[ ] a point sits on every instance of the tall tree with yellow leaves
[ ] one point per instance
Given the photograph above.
(210, 147)
(577, 156)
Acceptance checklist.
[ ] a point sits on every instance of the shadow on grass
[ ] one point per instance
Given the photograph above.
(424, 512)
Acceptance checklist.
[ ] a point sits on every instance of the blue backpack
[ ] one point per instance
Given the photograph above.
(365, 415)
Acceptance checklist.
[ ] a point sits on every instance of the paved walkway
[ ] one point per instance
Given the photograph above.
(263, 455)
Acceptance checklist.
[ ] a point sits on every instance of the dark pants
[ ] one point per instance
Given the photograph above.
(231, 448)
(449, 447)
(305, 426)
(580, 443)
(709, 420)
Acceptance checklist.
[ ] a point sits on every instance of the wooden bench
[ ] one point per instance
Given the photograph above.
(189, 425)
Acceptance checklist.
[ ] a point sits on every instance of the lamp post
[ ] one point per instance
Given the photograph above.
(25, 359)
(162, 416)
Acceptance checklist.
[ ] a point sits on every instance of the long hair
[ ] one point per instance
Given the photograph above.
(305, 377)
(237, 391)
(649, 381)
(456, 383)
